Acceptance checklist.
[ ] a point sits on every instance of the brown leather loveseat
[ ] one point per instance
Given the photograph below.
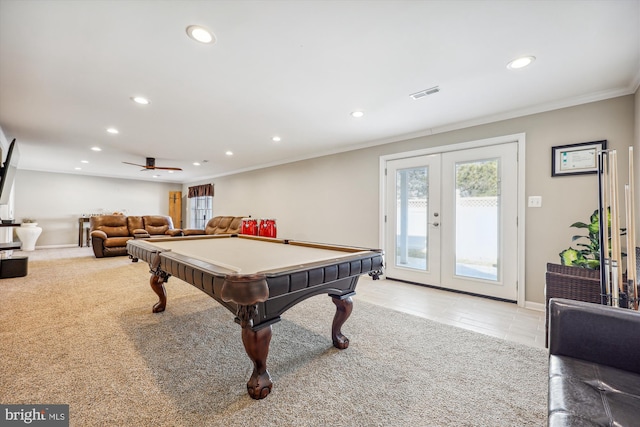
(110, 233)
(218, 225)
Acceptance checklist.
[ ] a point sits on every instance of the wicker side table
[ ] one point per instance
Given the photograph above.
(575, 283)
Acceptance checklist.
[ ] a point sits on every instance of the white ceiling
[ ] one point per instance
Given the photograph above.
(295, 69)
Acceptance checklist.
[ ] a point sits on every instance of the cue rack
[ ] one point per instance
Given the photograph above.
(617, 290)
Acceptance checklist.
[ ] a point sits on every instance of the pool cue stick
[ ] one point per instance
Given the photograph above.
(619, 213)
(603, 184)
(607, 229)
(616, 278)
(631, 256)
(632, 272)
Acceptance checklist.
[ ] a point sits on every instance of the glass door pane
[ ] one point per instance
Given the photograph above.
(480, 236)
(412, 188)
(477, 211)
(412, 212)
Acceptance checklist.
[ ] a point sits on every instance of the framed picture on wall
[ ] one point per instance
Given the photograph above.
(576, 159)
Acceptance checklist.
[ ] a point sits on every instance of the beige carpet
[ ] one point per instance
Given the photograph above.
(79, 331)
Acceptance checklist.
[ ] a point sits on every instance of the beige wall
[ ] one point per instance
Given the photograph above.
(335, 198)
(57, 200)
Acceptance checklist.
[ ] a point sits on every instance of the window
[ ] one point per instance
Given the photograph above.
(200, 205)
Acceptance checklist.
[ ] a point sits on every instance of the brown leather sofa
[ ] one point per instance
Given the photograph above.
(110, 233)
(218, 225)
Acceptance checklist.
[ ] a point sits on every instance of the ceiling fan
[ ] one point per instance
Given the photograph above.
(151, 165)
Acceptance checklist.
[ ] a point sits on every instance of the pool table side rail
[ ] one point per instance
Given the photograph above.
(141, 249)
(287, 286)
(286, 289)
(342, 248)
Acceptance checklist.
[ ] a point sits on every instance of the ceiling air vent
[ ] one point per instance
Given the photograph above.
(425, 92)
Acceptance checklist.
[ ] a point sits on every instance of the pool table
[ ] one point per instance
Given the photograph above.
(258, 279)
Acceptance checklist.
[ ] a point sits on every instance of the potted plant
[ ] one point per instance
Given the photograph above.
(588, 253)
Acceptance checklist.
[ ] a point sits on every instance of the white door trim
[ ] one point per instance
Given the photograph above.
(520, 139)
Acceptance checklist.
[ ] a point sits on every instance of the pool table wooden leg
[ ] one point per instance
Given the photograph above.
(256, 344)
(157, 284)
(343, 311)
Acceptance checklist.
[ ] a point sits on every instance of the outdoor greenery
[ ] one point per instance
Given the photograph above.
(416, 181)
(474, 179)
(477, 179)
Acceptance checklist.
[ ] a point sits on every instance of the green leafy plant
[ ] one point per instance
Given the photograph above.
(28, 220)
(587, 255)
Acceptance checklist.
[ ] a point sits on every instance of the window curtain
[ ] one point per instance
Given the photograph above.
(201, 190)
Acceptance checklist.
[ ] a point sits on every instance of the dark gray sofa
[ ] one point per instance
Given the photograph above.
(594, 365)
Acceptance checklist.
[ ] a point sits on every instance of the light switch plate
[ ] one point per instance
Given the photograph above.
(535, 201)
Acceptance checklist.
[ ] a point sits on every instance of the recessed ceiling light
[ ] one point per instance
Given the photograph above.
(520, 62)
(170, 171)
(276, 139)
(229, 153)
(96, 148)
(113, 131)
(200, 34)
(84, 161)
(140, 100)
(78, 169)
(196, 164)
(357, 114)
(156, 176)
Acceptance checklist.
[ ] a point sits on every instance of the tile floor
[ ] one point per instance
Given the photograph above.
(496, 318)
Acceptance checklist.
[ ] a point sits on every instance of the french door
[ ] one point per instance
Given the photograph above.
(451, 220)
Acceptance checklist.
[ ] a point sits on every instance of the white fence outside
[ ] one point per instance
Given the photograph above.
(476, 232)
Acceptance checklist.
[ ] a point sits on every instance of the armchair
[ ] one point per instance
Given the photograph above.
(109, 235)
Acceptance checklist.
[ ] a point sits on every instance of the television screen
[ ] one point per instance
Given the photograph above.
(8, 173)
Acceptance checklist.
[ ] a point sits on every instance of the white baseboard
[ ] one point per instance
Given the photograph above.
(534, 306)
(57, 246)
